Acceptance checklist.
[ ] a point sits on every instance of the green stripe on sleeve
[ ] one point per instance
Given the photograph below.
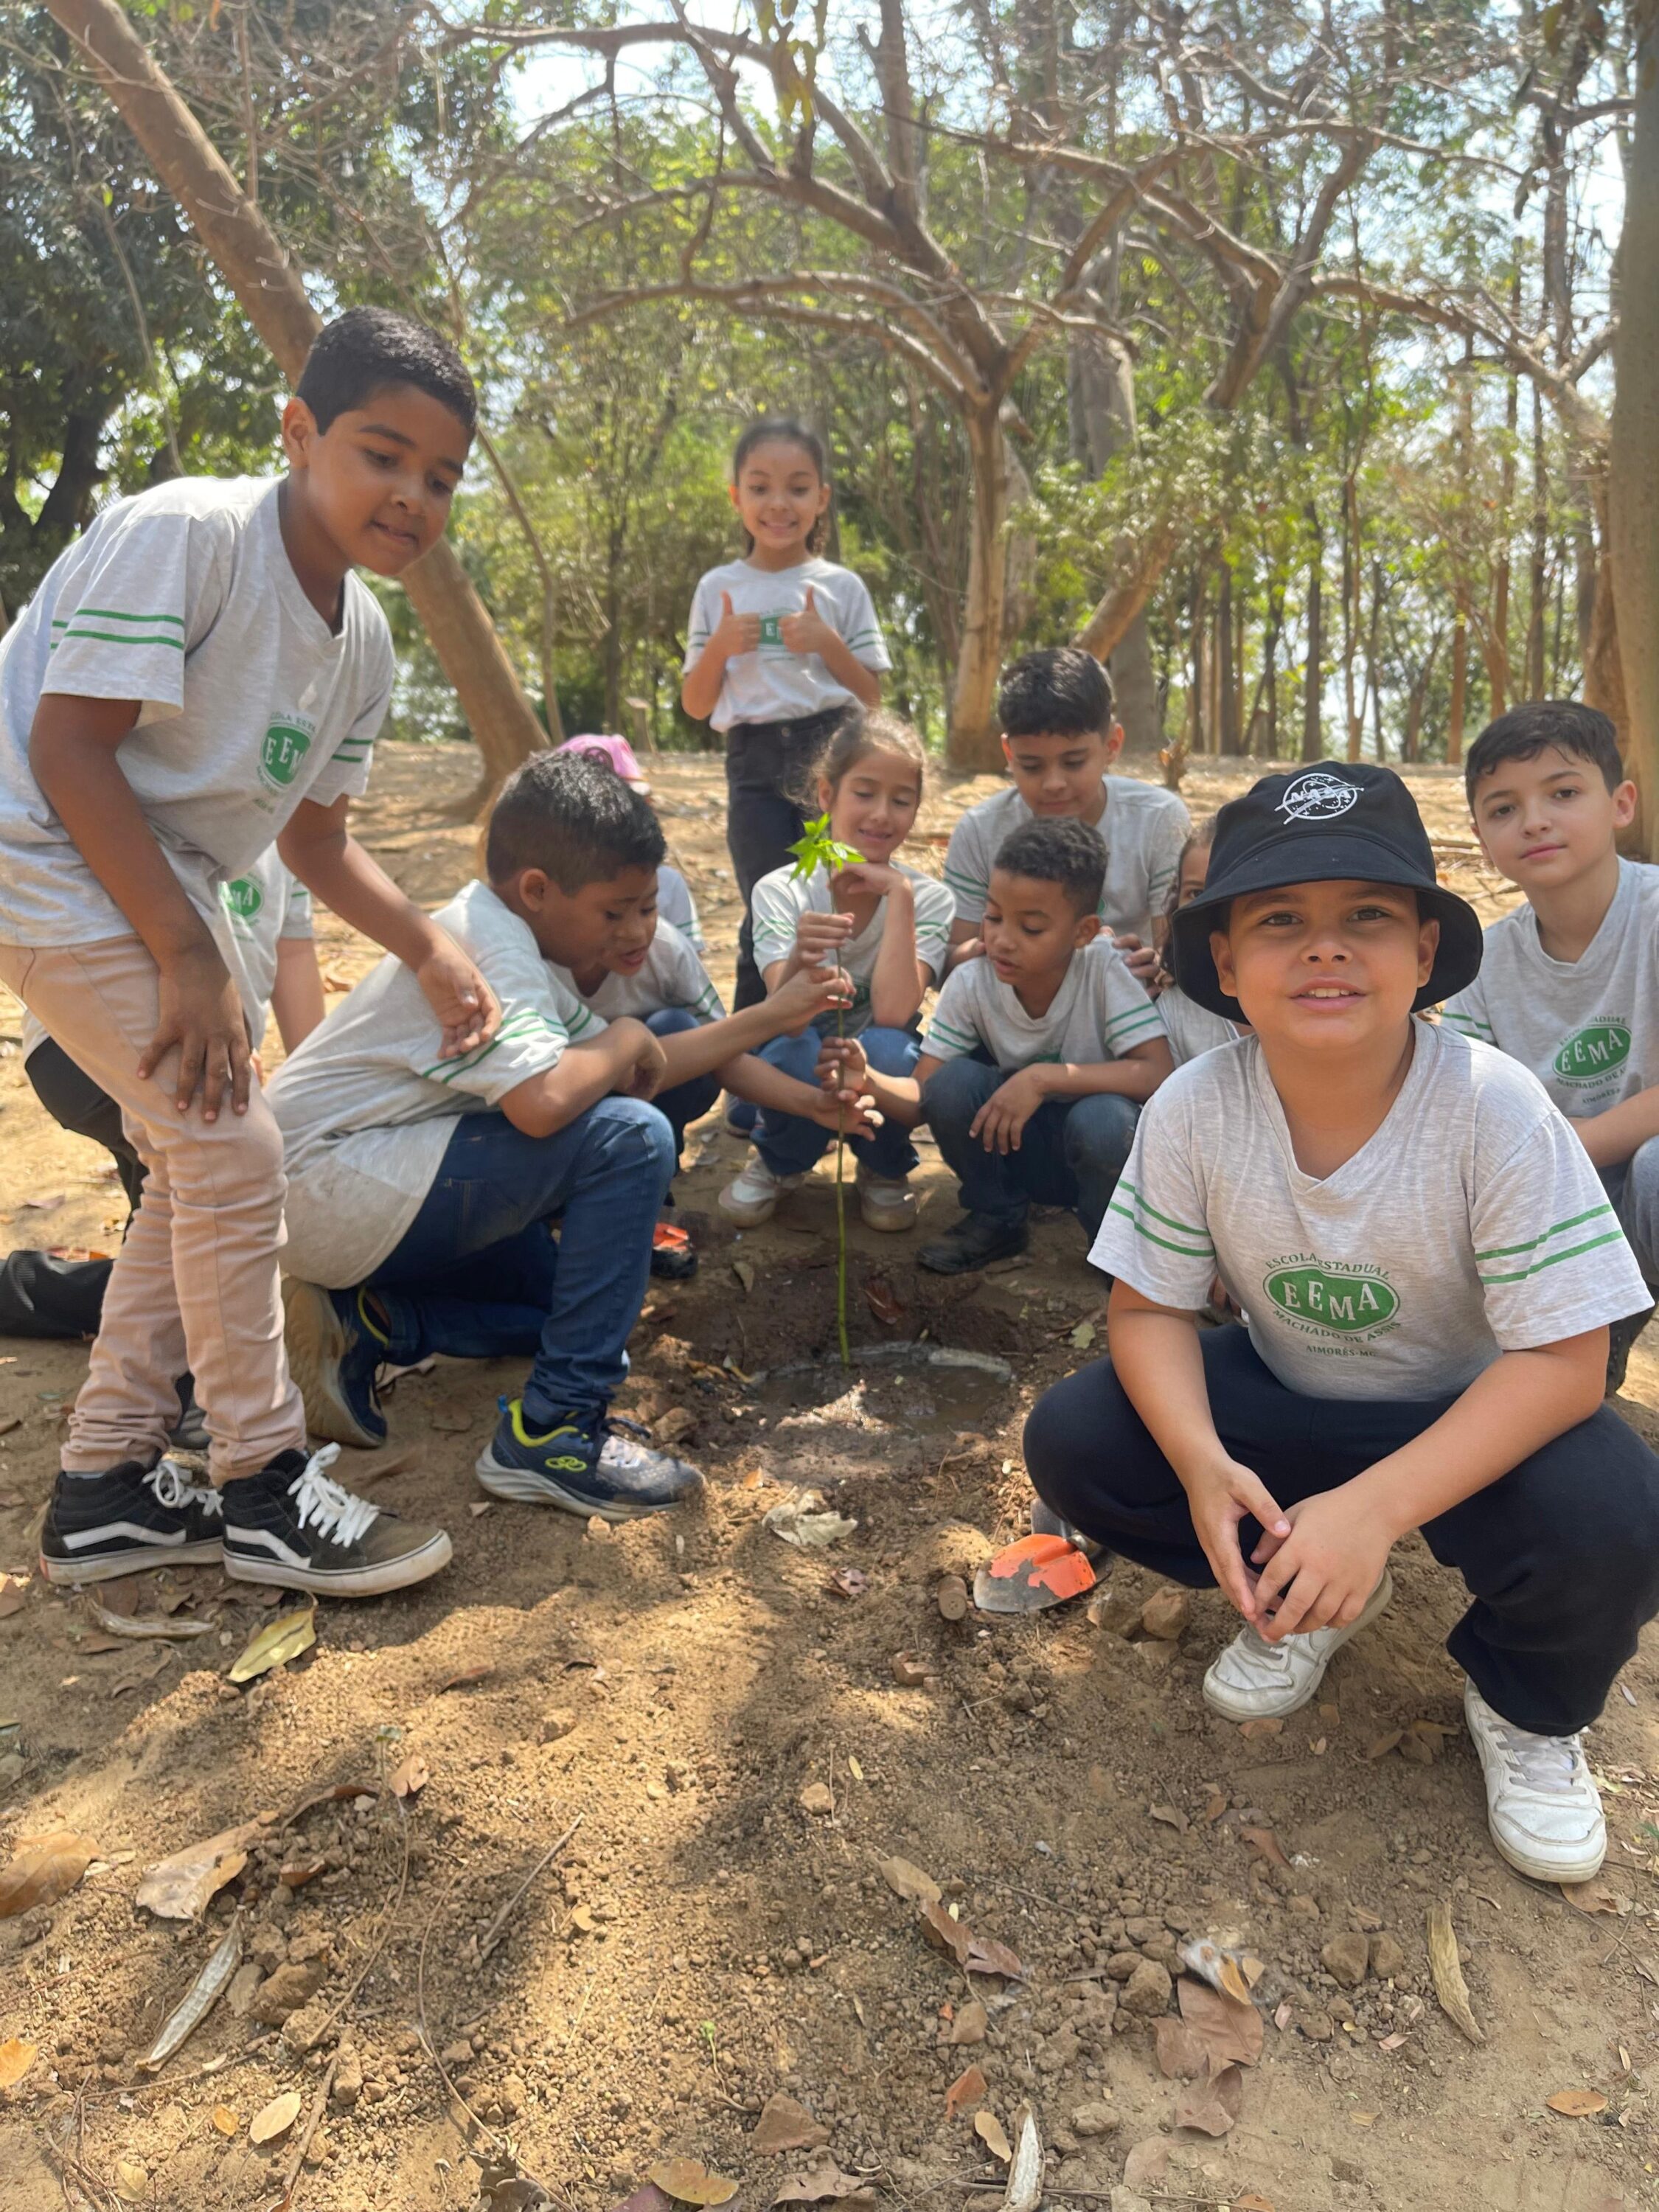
(117, 637)
(1186, 1251)
(1559, 1228)
(1169, 1220)
(1573, 1252)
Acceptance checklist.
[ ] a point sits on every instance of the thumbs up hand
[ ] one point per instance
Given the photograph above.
(734, 633)
(807, 632)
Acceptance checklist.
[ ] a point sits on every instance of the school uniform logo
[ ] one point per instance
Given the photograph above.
(1344, 1302)
(243, 898)
(285, 747)
(771, 629)
(1593, 1051)
(1319, 796)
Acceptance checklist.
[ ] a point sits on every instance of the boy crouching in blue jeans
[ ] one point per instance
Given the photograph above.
(1428, 1264)
(1037, 1057)
(421, 1192)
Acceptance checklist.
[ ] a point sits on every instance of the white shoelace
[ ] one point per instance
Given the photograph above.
(172, 1488)
(1547, 1764)
(325, 1506)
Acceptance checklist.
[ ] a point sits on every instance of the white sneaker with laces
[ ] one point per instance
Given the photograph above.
(1542, 1806)
(1254, 1680)
(752, 1195)
(886, 1203)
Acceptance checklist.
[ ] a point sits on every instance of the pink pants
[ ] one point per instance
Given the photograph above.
(196, 1283)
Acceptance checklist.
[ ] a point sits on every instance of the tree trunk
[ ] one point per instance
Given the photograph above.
(971, 745)
(254, 263)
(1199, 677)
(1354, 708)
(1313, 717)
(1100, 395)
(1538, 578)
(1495, 645)
(1232, 737)
(1460, 680)
(1633, 488)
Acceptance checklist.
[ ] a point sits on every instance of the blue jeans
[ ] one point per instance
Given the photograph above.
(1633, 1187)
(1071, 1151)
(688, 1101)
(790, 1143)
(479, 1275)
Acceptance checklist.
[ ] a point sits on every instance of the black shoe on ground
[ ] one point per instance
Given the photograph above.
(291, 1526)
(591, 1464)
(1621, 1336)
(673, 1255)
(973, 1242)
(128, 1518)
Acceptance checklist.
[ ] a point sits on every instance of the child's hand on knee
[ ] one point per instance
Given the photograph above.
(1001, 1120)
(809, 993)
(1322, 1574)
(1221, 1495)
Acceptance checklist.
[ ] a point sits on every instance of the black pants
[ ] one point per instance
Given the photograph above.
(40, 1295)
(1560, 1556)
(766, 763)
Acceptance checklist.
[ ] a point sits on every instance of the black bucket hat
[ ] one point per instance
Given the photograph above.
(1334, 821)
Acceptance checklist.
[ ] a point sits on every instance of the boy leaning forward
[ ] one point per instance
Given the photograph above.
(1428, 1265)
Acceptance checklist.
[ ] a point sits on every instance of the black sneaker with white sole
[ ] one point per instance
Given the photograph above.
(130, 1517)
(291, 1526)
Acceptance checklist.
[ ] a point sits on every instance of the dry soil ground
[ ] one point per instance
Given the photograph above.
(706, 1940)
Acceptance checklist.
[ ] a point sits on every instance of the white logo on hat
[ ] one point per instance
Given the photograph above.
(1319, 796)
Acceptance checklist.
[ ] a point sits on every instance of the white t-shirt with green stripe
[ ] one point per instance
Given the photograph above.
(1588, 1029)
(1471, 1224)
(772, 685)
(1143, 829)
(367, 1108)
(1190, 1027)
(782, 898)
(672, 976)
(183, 599)
(1099, 1014)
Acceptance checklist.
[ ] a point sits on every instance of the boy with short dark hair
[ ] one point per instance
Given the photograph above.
(1428, 1267)
(1036, 1057)
(200, 676)
(1568, 983)
(421, 1192)
(1059, 737)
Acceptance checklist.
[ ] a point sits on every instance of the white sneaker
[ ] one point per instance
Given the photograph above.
(886, 1202)
(1542, 1807)
(752, 1196)
(1254, 1680)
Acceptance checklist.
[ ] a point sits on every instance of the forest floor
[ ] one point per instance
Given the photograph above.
(743, 1755)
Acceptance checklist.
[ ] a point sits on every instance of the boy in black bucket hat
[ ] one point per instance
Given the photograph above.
(1427, 1265)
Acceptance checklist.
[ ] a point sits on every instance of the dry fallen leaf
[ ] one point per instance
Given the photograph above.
(277, 1642)
(1591, 1896)
(854, 1768)
(944, 1933)
(225, 2120)
(969, 2024)
(1251, 2202)
(986, 1956)
(1182, 2055)
(409, 1778)
(1449, 1983)
(909, 1882)
(44, 1868)
(990, 2130)
(1383, 1745)
(1264, 1841)
(785, 2126)
(689, 2181)
(879, 1296)
(825, 2184)
(1170, 1816)
(745, 1272)
(179, 1887)
(1578, 2104)
(1250, 1730)
(132, 2182)
(16, 2059)
(14, 1594)
(1211, 2105)
(968, 2089)
(275, 2120)
(1083, 1336)
(849, 1581)
(1229, 2031)
(467, 1676)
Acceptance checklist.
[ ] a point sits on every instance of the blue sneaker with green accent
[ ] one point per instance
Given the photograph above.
(334, 1344)
(585, 1463)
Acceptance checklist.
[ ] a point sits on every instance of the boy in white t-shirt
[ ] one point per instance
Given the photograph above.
(201, 677)
(1036, 1057)
(1059, 737)
(422, 1192)
(1428, 1266)
(1568, 983)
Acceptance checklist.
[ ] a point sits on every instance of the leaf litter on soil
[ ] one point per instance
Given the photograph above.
(43, 1868)
(689, 2181)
